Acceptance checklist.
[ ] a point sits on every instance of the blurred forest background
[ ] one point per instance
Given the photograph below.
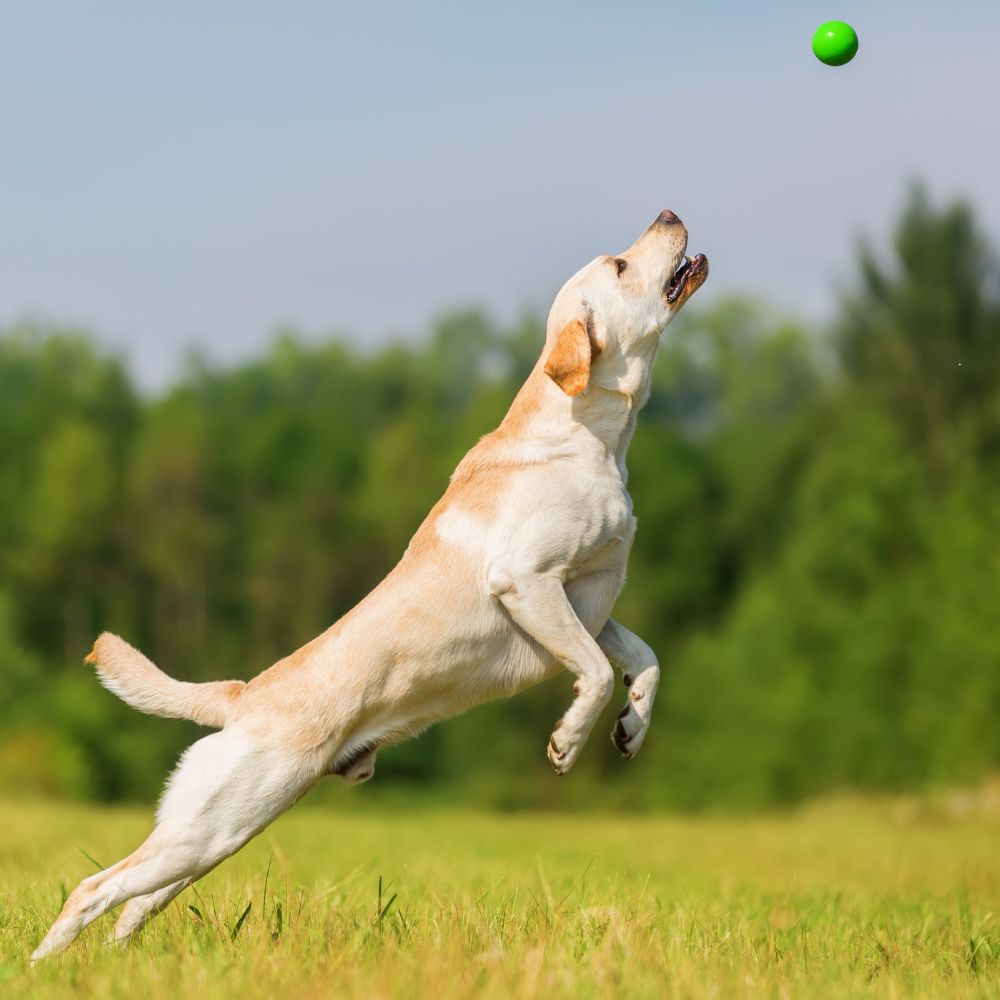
(817, 562)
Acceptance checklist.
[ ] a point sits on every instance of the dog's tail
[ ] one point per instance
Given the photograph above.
(124, 671)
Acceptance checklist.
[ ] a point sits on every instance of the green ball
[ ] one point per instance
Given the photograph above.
(835, 43)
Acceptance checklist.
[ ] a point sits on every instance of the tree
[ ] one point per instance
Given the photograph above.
(922, 334)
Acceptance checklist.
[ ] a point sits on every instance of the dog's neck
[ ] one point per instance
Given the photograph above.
(609, 415)
(610, 405)
(544, 421)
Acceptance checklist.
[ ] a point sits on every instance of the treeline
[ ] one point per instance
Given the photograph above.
(817, 564)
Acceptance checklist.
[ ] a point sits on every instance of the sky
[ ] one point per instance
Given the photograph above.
(198, 175)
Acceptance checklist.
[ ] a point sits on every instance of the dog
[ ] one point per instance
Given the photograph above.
(511, 578)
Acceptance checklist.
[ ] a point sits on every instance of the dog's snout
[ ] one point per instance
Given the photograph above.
(667, 218)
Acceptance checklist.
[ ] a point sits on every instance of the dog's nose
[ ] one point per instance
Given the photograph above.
(667, 218)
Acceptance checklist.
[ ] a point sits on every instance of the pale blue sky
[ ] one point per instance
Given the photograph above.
(199, 173)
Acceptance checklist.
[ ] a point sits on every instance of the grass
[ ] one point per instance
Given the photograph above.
(845, 898)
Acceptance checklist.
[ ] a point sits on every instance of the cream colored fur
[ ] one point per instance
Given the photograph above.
(510, 579)
(124, 671)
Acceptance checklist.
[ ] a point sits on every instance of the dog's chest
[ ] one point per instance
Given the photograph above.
(600, 529)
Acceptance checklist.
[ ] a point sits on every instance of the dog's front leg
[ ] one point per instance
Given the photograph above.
(539, 605)
(641, 674)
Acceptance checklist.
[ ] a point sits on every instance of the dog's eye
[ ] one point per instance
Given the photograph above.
(620, 265)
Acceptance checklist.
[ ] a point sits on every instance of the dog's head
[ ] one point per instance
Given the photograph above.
(612, 311)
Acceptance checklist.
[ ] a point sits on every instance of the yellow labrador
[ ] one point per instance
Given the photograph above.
(511, 578)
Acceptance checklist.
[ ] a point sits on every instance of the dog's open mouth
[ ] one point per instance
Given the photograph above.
(689, 276)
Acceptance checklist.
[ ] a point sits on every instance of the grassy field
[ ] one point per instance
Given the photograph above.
(845, 898)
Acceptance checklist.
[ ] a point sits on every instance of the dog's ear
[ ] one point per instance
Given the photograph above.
(574, 348)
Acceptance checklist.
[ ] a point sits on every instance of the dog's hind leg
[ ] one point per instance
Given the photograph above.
(225, 791)
(139, 910)
(153, 866)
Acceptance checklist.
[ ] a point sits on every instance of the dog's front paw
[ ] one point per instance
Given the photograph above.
(562, 750)
(629, 732)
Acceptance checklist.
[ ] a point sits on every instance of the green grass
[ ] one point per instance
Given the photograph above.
(846, 898)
